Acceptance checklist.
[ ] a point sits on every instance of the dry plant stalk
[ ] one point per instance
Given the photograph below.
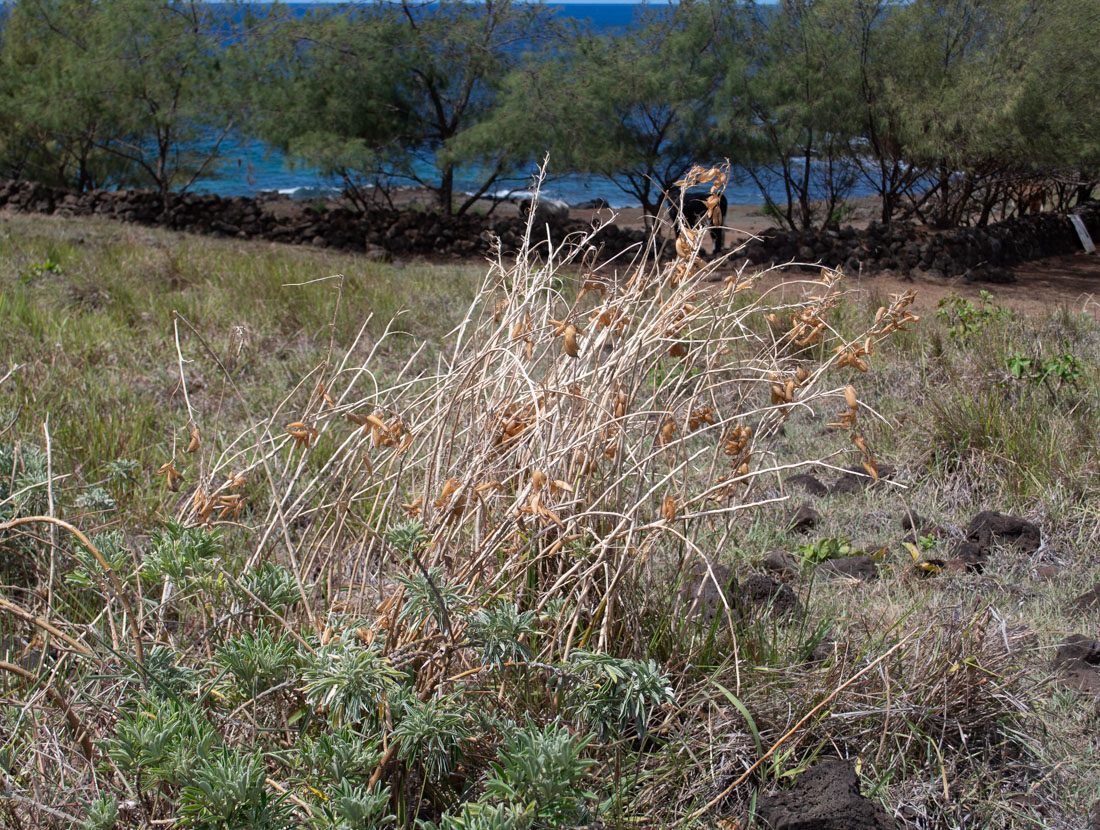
(564, 439)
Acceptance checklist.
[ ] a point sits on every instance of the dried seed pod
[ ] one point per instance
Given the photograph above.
(538, 480)
(850, 397)
(871, 468)
(202, 504)
(668, 508)
(570, 345)
(174, 476)
(303, 435)
(668, 429)
(449, 488)
(193, 444)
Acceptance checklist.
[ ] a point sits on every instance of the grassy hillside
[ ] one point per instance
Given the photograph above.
(520, 558)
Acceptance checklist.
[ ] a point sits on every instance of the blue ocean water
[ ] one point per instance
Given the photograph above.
(251, 166)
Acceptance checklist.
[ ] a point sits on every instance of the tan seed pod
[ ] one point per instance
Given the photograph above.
(683, 248)
(174, 476)
(850, 398)
(668, 429)
(538, 480)
(193, 444)
(871, 468)
(668, 508)
(449, 488)
(570, 345)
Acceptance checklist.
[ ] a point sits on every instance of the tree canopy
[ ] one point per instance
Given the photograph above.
(949, 111)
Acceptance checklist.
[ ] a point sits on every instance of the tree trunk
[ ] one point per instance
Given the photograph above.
(446, 190)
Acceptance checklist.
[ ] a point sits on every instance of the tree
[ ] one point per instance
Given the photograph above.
(400, 92)
(863, 28)
(54, 112)
(162, 63)
(1055, 113)
(795, 107)
(122, 93)
(954, 84)
(637, 108)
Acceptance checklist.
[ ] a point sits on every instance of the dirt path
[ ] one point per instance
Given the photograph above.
(1072, 282)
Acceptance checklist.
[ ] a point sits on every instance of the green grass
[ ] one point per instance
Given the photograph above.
(94, 337)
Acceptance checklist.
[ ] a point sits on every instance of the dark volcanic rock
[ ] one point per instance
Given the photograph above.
(856, 479)
(825, 797)
(1088, 601)
(990, 527)
(781, 564)
(706, 591)
(970, 555)
(811, 484)
(1080, 677)
(1077, 647)
(860, 566)
(759, 592)
(1078, 663)
(803, 519)
(912, 520)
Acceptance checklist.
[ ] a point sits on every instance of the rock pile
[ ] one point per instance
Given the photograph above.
(977, 253)
(379, 231)
(825, 797)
